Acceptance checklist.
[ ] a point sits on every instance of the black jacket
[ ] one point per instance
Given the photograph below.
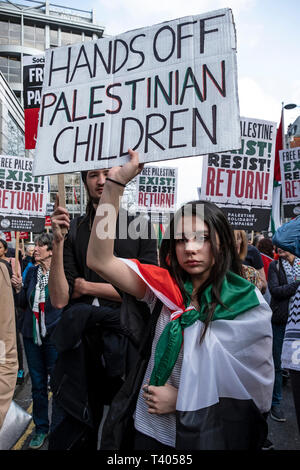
(81, 384)
(280, 291)
(75, 250)
(79, 351)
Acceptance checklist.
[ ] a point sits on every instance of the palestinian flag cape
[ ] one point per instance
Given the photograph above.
(226, 380)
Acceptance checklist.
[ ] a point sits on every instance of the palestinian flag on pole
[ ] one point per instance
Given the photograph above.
(161, 232)
(276, 212)
(226, 380)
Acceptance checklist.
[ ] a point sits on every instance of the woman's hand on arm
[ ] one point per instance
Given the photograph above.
(160, 400)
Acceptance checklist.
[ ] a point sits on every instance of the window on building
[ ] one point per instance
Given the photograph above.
(70, 37)
(53, 37)
(10, 32)
(34, 36)
(76, 37)
(10, 66)
(66, 38)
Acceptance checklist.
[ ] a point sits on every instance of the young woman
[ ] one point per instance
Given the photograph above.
(209, 374)
(38, 323)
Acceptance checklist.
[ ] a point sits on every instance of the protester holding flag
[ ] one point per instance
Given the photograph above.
(208, 376)
(283, 282)
(39, 320)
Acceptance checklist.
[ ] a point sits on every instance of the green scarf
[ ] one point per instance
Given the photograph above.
(237, 295)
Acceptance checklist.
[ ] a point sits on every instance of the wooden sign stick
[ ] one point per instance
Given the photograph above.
(62, 196)
(17, 253)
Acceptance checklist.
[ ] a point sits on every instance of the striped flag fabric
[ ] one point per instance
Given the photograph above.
(75, 197)
(226, 380)
(276, 212)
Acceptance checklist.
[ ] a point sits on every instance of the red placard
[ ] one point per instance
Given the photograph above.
(31, 125)
(7, 236)
(47, 221)
(23, 235)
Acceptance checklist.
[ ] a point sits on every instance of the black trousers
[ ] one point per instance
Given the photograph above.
(295, 383)
(143, 442)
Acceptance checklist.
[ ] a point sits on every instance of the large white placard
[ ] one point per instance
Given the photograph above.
(169, 91)
(241, 181)
(23, 197)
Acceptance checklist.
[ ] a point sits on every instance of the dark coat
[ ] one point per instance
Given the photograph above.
(80, 349)
(280, 291)
(24, 300)
(80, 381)
(75, 250)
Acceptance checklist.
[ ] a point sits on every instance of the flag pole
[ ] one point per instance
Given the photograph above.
(17, 253)
(62, 196)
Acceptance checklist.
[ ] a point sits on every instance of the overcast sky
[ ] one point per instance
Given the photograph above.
(268, 42)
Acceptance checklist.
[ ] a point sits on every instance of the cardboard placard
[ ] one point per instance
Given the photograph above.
(290, 180)
(156, 189)
(241, 182)
(23, 197)
(168, 91)
(33, 77)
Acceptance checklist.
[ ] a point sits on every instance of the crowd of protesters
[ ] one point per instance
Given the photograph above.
(170, 343)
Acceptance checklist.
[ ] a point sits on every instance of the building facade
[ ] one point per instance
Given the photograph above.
(29, 27)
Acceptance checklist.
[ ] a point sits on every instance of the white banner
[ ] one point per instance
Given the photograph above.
(23, 197)
(169, 91)
(156, 189)
(290, 178)
(241, 181)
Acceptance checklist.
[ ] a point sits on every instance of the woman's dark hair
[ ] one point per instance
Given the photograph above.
(44, 239)
(225, 256)
(4, 243)
(265, 246)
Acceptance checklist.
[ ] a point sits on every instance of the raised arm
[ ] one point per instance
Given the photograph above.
(100, 257)
(58, 284)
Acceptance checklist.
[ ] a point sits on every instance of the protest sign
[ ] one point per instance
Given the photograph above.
(241, 181)
(7, 236)
(168, 91)
(290, 178)
(22, 235)
(157, 189)
(23, 197)
(33, 76)
(156, 192)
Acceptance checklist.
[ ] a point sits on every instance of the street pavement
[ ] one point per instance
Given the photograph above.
(285, 436)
